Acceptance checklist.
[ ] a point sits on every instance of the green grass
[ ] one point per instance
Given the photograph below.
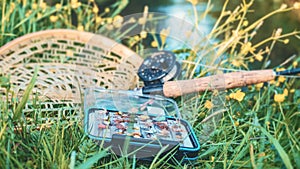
(257, 132)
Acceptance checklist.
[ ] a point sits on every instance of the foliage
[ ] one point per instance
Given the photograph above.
(22, 17)
(259, 128)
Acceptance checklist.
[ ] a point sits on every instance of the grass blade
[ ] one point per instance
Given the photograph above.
(92, 160)
(285, 158)
(296, 155)
(25, 97)
(72, 161)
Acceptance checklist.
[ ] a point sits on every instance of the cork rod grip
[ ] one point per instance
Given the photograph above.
(222, 81)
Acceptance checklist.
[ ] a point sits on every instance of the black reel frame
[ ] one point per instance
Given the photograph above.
(156, 69)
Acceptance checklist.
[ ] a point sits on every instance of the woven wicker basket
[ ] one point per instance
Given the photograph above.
(68, 61)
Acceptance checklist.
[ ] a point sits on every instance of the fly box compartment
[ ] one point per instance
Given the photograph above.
(138, 125)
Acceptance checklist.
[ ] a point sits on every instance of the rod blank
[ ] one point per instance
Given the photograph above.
(288, 72)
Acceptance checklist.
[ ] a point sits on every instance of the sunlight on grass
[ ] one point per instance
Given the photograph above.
(260, 127)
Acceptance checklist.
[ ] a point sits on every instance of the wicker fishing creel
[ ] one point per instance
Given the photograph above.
(68, 61)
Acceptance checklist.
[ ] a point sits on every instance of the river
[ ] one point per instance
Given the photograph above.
(183, 9)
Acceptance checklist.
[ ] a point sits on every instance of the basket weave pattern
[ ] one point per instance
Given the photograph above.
(68, 61)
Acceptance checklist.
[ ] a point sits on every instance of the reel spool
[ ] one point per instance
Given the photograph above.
(156, 69)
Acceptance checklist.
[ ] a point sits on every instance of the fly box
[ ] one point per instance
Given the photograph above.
(138, 125)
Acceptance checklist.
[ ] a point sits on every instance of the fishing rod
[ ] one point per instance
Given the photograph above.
(158, 71)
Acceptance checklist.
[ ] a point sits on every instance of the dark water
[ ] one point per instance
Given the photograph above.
(182, 8)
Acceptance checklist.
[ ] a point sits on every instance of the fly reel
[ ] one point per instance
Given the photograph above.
(158, 68)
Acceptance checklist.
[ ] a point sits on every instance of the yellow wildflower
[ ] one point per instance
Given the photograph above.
(279, 98)
(106, 10)
(292, 91)
(278, 32)
(208, 104)
(239, 96)
(98, 19)
(12, 7)
(193, 2)
(285, 92)
(259, 57)
(212, 158)
(280, 69)
(259, 86)
(295, 64)
(272, 82)
(251, 60)
(267, 49)
(117, 21)
(58, 6)
(283, 6)
(142, 21)
(227, 13)
(227, 97)
(43, 5)
(132, 20)
(154, 44)
(281, 79)
(39, 15)
(80, 28)
(136, 38)
(245, 23)
(109, 27)
(143, 34)
(150, 16)
(237, 62)
(164, 34)
(75, 4)
(28, 13)
(246, 48)
(74, 1)
(109, 20)
(95, 9)
(53, 18)
(215, 92)
(236, 123)
(34, 6)
(286, 41)
(297, 5)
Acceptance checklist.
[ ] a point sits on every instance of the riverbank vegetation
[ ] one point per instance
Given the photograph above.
(260, 124)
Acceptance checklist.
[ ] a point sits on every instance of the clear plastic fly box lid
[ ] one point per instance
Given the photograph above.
(111, 116)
